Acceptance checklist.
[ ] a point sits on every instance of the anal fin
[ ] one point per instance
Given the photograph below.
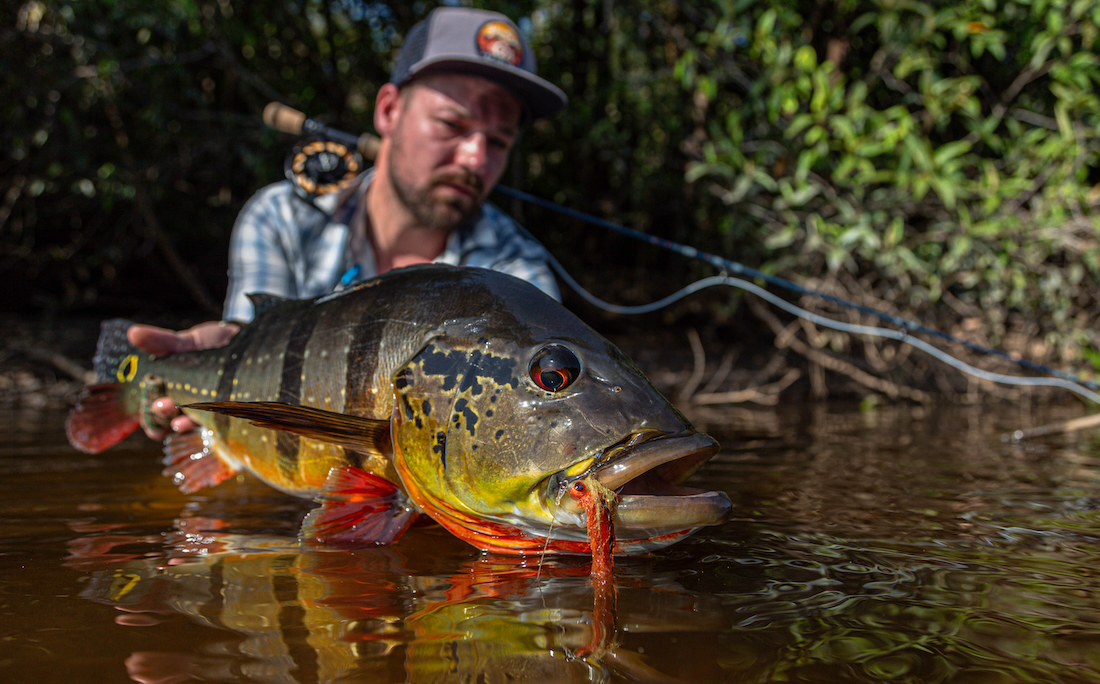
(358, 507)
(191, 462)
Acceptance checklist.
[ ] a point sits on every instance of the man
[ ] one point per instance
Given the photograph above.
(464, 83)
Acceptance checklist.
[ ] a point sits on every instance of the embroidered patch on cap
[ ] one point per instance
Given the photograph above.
(498, 40)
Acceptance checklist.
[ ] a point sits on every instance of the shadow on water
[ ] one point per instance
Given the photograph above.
(907, 545)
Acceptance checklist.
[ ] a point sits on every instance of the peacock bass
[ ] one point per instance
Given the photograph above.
(459, 393)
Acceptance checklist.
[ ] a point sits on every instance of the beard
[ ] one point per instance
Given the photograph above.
(440, 213)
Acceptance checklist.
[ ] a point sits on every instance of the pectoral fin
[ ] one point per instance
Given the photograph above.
(365, 435)
(192, 464)
(358, 507)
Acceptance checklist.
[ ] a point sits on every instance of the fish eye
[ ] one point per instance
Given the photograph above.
(554, 368)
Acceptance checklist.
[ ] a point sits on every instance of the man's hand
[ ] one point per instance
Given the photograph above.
(162, 342)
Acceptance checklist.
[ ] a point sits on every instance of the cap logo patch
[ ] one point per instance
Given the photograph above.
(498, 40)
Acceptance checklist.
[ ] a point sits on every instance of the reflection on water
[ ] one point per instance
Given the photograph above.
(906, 545)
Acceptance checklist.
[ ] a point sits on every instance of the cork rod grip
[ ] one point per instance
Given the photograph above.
(289, 120)
(283, 118)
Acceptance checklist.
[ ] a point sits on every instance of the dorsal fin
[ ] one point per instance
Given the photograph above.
(262, 301)
(365, 435)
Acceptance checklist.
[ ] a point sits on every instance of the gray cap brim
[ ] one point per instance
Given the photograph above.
(539, 97)
(450, 40)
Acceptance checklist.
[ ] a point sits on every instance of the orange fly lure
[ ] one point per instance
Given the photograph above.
(599, 505)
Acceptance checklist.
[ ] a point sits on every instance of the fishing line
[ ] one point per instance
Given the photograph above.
(899, 335)
(288, 120)
(1059, 378)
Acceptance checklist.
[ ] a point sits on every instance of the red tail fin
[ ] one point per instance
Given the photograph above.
(99, 421)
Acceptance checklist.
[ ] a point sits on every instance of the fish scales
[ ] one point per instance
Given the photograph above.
(459, 393)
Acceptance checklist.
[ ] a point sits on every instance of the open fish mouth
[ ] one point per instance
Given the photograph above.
(645, 470)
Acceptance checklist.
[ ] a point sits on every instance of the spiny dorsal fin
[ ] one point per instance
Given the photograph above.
(365, 435)
(261, 302)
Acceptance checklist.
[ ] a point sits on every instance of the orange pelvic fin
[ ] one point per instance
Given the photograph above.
(358, 507)
(99, 420)
(191, 464)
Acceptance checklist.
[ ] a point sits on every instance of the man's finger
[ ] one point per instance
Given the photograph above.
(209, 335)
(153, 340)
(182, 423)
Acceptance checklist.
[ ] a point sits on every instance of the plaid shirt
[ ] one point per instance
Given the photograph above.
(287, 246)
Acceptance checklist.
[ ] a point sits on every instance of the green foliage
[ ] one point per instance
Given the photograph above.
(926, 149)
(615, 152)
(133, 131)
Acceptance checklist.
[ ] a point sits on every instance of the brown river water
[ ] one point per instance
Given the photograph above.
(903, 545)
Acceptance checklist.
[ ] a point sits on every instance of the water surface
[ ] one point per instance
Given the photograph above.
(904, 545)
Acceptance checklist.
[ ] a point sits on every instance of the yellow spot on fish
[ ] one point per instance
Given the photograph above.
(127, 369)
(578, 468)
(204, 393)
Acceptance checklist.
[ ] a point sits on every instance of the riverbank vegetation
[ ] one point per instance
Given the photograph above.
(939, 161)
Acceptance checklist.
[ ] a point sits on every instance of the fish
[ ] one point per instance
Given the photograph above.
(461, 394)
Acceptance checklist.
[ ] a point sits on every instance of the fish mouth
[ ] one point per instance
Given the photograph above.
(644, 470)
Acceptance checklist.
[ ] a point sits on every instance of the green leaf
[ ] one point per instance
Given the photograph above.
(950, 151)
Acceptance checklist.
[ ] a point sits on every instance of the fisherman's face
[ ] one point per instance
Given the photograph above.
(450, 146)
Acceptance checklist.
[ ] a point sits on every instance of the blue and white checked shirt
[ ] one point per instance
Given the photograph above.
(286, 246)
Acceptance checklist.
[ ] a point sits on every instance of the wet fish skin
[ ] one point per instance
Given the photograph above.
(414, 392)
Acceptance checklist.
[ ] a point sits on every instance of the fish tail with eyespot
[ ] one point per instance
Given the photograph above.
(101, 419)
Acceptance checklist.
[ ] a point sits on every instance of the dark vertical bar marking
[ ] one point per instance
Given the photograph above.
(233, 360)
(290, 388)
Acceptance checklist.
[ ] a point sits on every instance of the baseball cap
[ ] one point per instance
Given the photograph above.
(481, 43)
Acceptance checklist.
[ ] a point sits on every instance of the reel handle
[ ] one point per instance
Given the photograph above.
(289, 120)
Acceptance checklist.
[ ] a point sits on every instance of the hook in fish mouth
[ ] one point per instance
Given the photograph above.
(645, 470)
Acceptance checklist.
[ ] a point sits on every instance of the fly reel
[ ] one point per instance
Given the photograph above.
(317, 166)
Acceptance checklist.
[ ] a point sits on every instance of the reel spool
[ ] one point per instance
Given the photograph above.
(317, 166)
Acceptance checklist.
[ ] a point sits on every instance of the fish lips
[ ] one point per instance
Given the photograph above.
(644, 471)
